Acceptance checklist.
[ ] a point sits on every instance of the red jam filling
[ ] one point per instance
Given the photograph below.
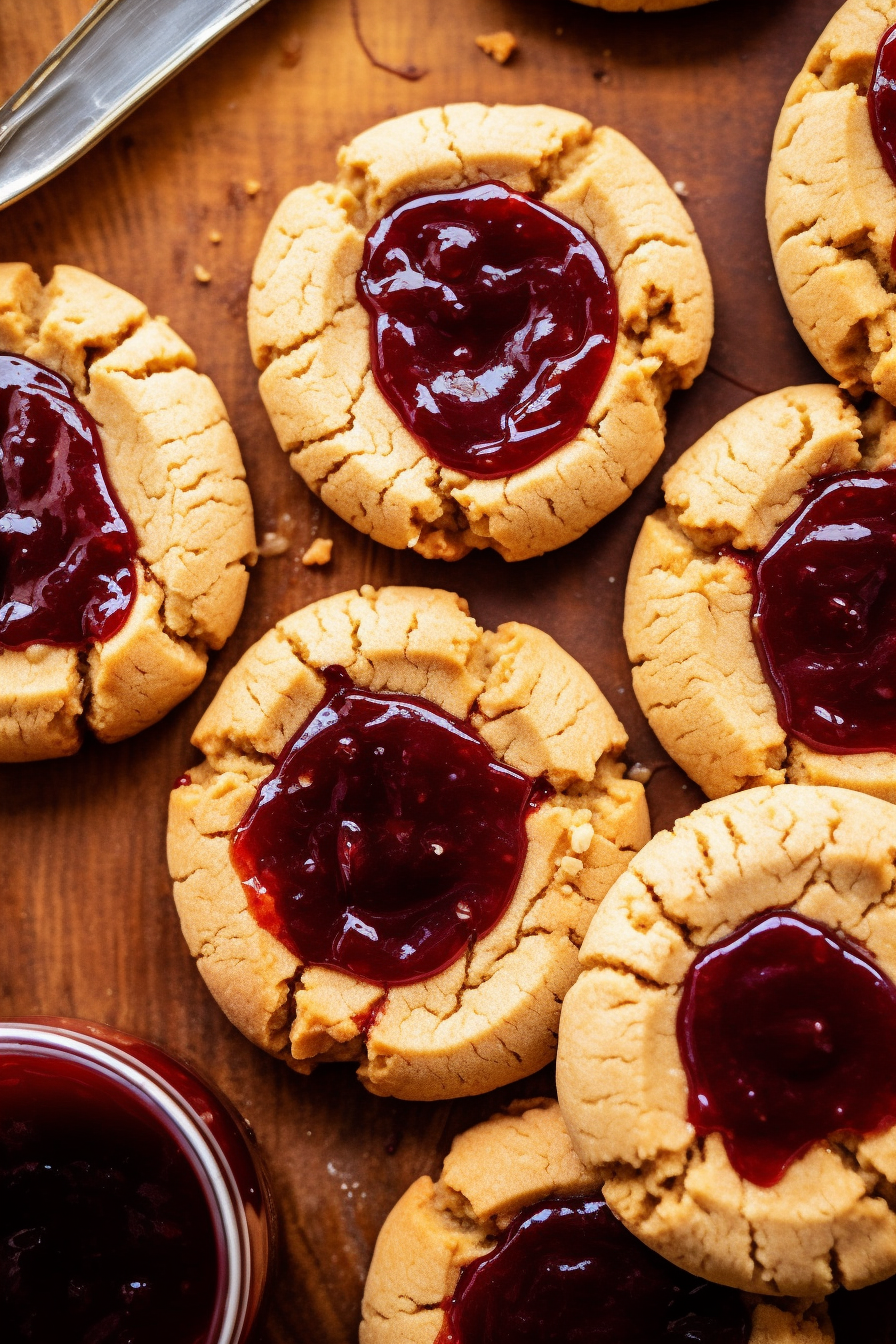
(566, 1271)
(387, 838)
(867, 1316)
(106, 1235)
(882, 107)
(787, 1032)
(493, 325)
(824, 614)
(67, 548)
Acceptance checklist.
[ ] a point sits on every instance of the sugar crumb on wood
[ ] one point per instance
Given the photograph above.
(290, 51)
(319, 552)
(278, 539)
(500, 46)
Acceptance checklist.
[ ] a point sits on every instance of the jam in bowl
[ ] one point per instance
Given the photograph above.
(132, 1206)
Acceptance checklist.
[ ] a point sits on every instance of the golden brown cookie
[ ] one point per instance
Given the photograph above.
(831, 206)
(175, 465)
(310, 335)
(687, 624)
(491, 1016)
(492, 1173)
(827, 854)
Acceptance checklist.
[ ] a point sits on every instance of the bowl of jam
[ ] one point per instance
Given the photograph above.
(133, 1207)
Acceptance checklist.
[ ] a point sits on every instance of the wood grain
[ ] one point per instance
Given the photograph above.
(89, 927)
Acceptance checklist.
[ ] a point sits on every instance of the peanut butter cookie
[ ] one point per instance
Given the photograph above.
(412, 900)
(724, 1058)
(477, 1254)
(831, 206)
(732, 499)
(456, 325)
(128, 520)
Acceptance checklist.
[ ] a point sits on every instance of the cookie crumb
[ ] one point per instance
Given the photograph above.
(570, 867)
(680, 188)
(278, 539)
(215, 235)
(500, 46)
(251, 186)
(580, 837)
(641, 774)
(271, 544)
(319, 552)
(201, 274)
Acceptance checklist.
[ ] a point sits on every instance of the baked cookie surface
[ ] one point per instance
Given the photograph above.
(175, 465)
(831, 206)
(687, 624)
(825, 854)
(492, 1173)
(491, 1016)
(309, 333)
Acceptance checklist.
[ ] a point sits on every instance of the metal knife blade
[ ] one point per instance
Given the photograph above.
(119, 54)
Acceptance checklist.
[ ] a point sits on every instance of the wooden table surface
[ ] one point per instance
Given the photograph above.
(88, 924)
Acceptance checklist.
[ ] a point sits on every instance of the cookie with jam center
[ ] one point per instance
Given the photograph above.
(725, 1060)
(514, 1241)
(468, 340)
(831, 201)
(761, 602)
(397, 839)
(126, 519)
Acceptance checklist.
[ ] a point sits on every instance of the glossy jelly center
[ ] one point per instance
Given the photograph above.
(882, 107)
(493, 325)
(387, 838)
(106, 1236)
(867, 1316)
(566, 1271)
(67, 548)
(787, 1032)
(824, 614)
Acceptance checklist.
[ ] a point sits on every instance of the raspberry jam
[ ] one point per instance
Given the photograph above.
(131, 1207)
(787, 1032)
(882, 107)
(824, 614)
(867, 1316)
(493, 325)
(67, 547)
(566, 1271)
(387, 838)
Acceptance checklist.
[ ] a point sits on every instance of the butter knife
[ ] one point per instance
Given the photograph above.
(119, 54)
